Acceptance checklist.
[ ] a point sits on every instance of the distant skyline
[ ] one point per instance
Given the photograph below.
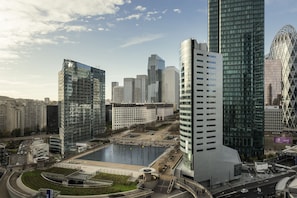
(117, 36)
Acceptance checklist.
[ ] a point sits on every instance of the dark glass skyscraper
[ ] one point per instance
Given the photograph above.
(236, 30)
(81, 103)
(155, 67)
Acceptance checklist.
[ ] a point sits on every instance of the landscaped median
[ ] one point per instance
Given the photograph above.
(34, 180)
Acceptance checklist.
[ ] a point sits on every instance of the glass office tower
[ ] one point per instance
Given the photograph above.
(81, 103)
(155, 67)
(236, 30)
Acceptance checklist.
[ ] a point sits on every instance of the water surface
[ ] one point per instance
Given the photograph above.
(126, 154)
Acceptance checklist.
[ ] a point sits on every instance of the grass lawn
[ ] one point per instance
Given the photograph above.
(34, 180)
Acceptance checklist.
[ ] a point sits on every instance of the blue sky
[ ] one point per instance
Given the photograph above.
(117, 36)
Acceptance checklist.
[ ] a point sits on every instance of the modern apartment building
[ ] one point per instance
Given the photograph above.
(155, 67)
(81, 103)
(236, 30)
(21, 116)
(273, 81)
(284, 49)
(201, 117)
(170, 86)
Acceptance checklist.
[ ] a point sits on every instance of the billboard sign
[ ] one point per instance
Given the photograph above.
(282, 140)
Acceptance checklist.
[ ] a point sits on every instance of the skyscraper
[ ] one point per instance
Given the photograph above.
(113, 84)
(81, 103)
(273, 81)
(118, 94)
(284, 49)
(140, 89)
(201, 113)
(236, 30)
(155, 67)
(170, 86)
(129, 84)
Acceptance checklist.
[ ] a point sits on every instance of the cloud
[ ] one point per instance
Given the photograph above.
(5, 68)
(100, 18)
(177, 10)
(130, 17)
(25, 23)
(141, 39)
(76, 28)
(103, 29)
(11, 82)
(140, 8)
(151, 16)
(110, 25)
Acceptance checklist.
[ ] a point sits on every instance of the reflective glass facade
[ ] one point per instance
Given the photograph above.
(236, 30)
(155, 67)
(284, 49)
(81, 103)
(273, 81)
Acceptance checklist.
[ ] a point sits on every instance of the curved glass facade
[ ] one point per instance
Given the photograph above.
(186, 101)
(284, 48)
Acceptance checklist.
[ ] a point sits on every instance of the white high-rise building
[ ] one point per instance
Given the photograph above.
(140, 89)
(201, 117)
(129, 84)
(170, 86)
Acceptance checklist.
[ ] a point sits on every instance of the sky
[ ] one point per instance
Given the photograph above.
(117, 36)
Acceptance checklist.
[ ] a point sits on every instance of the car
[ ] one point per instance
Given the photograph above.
(244, 190)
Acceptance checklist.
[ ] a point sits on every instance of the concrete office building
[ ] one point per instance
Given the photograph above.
(284, 49)
(155, 67)
(129, 86)
(81, 103)
(273, 119)
(126, 115)
(118, 94)
(170, 86)
(113, 84)
(140, 89)
(273, 81)
(236, 30)
(201, 118)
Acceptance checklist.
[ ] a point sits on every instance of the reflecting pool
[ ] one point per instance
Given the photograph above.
(126, 154)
